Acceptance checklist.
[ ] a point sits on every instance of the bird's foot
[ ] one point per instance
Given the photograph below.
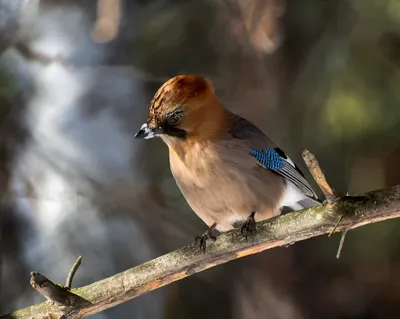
(202, 239)
(249, 226)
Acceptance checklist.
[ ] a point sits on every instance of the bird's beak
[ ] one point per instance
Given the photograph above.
(146, 132)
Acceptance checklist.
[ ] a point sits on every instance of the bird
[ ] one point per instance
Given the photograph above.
(230, 173)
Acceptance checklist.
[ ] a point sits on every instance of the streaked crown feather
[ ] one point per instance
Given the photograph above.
(176, 92)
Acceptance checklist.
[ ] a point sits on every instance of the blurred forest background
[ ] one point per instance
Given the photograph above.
(76, 79)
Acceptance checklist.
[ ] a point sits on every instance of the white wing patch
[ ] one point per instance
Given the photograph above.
(289, 161)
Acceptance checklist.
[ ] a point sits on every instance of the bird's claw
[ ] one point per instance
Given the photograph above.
(202, 240)
(249, 226)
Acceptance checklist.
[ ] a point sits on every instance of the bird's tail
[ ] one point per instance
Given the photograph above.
(302, 204)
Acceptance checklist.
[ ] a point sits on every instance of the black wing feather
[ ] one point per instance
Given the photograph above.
(292, 174)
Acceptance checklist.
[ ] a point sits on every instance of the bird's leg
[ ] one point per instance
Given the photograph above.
(208, 234)
(249, 226)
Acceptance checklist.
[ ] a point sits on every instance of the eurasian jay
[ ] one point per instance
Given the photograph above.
(229, 171)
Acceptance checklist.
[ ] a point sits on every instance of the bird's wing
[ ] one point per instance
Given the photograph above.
(269, 155)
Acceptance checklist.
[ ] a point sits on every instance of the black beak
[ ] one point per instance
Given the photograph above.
(140, 134)
(147, 133)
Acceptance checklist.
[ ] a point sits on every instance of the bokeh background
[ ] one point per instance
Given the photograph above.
(76, 79)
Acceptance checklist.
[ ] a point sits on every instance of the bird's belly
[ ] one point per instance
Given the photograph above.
(228, 197)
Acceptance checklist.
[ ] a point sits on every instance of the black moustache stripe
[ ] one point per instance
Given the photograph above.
(175, 132)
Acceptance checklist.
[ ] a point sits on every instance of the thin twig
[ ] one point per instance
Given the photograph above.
(277, 232)
(336, 225)
(320, 178)
(72, 272)
(342, 238)
(330, 194)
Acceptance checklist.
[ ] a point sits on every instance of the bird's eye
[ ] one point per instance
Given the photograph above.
(174, 118)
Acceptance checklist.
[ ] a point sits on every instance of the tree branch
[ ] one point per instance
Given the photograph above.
(58, 294)
(352, 211)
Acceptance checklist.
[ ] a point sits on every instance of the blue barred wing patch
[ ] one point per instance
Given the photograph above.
(269, 158)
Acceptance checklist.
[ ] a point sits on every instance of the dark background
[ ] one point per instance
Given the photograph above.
(317, 74)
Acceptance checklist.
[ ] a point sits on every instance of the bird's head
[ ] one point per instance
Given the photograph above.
(183, 107)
